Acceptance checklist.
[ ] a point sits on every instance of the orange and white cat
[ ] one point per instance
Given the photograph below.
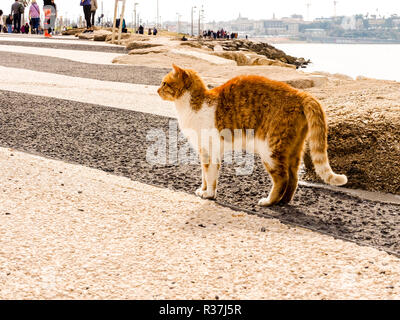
(280, 117)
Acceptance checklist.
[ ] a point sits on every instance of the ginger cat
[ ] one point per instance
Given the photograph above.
(280, 116)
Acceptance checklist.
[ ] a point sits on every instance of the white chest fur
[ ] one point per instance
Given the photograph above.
(194, 123)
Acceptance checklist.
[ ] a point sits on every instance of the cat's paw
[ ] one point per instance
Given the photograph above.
(265, 202)
(204, 194)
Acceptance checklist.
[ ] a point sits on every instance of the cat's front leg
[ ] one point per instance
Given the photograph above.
(203, 187)
(208, 189)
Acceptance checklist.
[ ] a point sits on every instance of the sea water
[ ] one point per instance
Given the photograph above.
(379, 61)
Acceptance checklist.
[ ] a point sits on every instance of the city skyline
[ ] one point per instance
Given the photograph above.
(228, 10)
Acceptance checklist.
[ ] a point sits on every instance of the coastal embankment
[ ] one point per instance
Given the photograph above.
(363, 113)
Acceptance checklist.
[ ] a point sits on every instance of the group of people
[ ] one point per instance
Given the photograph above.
(14, 18)
(89, 10)
(220, 34)
(12, 23)
(153, 31)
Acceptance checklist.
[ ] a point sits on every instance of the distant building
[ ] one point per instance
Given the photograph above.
(293, 28)
(349, 23)
(242, 24)
(396, 22)
(315, 33)
(274, 27)
(298, 17)
(376, 23)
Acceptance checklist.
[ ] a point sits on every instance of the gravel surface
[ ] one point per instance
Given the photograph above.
(72, 232)
(116, 73)
(66, 46)
(114, 140)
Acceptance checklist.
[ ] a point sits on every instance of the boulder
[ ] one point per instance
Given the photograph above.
(237, 56)
(73, 31)
(123, 36)
(218, 48)
(251, 59)
(260, 48)
(86, 36)
(148, 50)
(101, 35)
(193, 44)
(140, 45)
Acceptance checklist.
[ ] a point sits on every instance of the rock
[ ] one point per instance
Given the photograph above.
(360, 78)
(243, 58)
(123, 36)
(101, 35)
(260, 48)
(301, 83)
(193, 44)
(140, 45)
(86, 36)
(218, 48)
(319, 80)
(73, 31)
(148, 50)
(237, 56)
(210, 58)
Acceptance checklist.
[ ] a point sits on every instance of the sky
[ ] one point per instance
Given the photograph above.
(220, 10)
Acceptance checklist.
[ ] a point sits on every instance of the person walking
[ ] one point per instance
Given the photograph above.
(25, 28)
(34, 14)
(1, 20)
(47, 8)
(53, 16)
(87, 8)
(9, 22)
(93, 11)
(16, 10)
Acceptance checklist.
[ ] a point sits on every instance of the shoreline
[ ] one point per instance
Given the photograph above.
(276, 40)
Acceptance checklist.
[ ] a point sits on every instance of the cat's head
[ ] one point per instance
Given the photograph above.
(174, 84)
(179, 81)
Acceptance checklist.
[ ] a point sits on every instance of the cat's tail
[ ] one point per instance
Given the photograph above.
(318, 140)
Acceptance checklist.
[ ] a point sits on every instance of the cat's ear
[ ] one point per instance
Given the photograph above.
(181, 73)
(177, 70)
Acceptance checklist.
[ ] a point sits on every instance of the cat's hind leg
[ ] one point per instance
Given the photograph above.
(280, 179)
(276, 164)
(293, 180)
(294, 164)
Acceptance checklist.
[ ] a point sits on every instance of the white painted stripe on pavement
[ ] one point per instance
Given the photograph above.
(74, 55)
(136, 97)
(58, 40)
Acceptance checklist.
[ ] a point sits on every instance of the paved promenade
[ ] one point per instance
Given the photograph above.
(83, 215)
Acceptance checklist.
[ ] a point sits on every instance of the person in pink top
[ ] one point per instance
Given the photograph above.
(34, 14)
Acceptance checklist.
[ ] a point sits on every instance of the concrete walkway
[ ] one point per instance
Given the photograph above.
(70, 232)
(137, 97)
(74, 55)
(56, 39)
